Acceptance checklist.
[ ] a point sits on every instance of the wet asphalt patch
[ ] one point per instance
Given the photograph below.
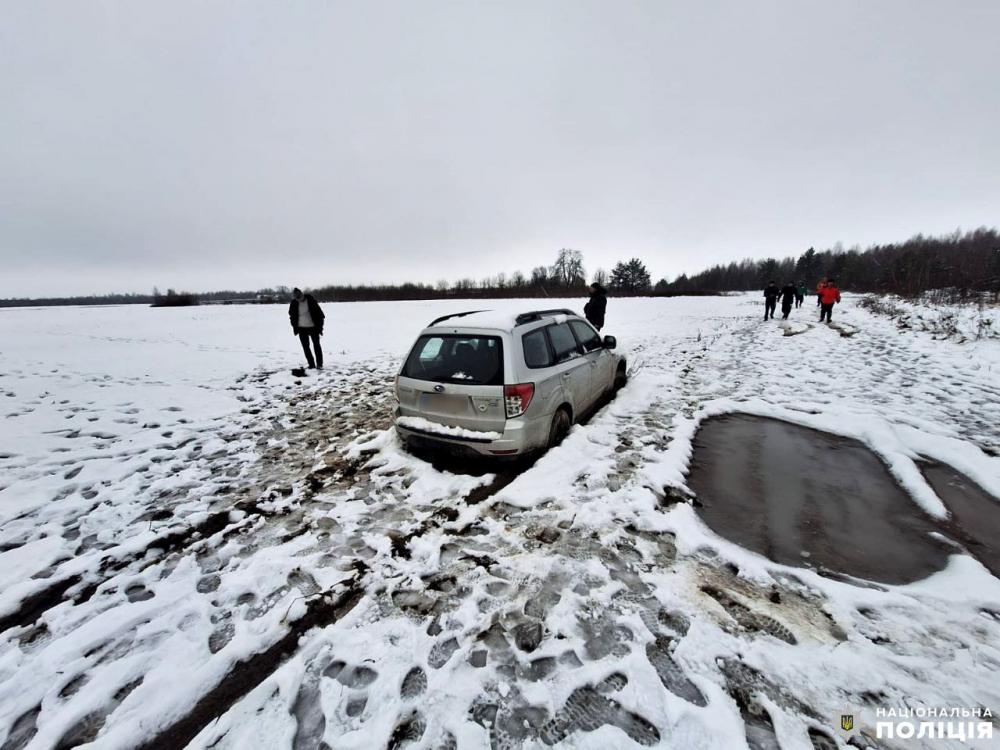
(807, 498)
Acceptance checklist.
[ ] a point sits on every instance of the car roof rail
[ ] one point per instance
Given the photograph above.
(528, 317)
(454, 315)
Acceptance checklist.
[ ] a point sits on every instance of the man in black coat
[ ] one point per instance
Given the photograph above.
(771, 293)
(594, 310)
(306, 318)
(788, 294)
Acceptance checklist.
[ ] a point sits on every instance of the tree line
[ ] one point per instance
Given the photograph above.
(966, 262)
(566, 277)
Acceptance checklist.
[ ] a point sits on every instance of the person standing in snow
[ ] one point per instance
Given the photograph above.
(800, 294)
(307, 323)
(829, 296)
(771, 293)
(819, 292)
(594, 310)
(788, 294)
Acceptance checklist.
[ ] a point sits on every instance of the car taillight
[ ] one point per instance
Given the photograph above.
(517, 397)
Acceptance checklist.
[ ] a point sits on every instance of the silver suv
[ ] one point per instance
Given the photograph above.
(501, 385)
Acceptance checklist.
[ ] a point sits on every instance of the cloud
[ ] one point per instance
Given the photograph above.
(249, 144)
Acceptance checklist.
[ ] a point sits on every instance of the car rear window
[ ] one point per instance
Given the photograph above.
(453, 358)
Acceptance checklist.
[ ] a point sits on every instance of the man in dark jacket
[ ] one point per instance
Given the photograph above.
(788, 296)
(771, 293)
(594, 310)
(307, 322)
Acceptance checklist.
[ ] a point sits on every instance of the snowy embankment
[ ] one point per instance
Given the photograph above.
(974, 320)
(197, 548)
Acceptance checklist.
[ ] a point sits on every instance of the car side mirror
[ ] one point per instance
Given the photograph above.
(610, 342)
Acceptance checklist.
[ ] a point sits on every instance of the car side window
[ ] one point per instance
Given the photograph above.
(536, 349)
(586, 335)
(564, 344)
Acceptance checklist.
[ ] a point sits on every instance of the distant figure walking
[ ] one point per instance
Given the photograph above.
(771, 293)
(307, 322)
(800, 294)
(829, 295)
(788, 296)
(594, 310)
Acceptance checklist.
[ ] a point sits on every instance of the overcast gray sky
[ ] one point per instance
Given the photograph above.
(241, 144)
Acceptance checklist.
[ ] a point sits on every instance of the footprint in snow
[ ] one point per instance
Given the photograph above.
(408, 731)
(414, 683)
(137, 592)
(357, 679)
(671, 675)
(441, 652)
(310, 721)
(589, 708)
(749, 620)
(821, 740)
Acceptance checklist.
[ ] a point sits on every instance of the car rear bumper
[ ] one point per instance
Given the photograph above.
(517, 439)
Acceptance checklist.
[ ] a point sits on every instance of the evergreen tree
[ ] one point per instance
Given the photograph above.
(630, 276)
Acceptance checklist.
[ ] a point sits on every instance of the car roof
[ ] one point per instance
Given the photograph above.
(499, 321)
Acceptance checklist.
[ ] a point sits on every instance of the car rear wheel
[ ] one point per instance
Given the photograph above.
(559, 428)
(621, 378)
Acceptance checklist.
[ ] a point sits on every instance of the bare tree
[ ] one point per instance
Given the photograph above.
(568, 269)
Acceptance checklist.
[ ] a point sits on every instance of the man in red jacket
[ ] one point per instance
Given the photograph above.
(829, 295)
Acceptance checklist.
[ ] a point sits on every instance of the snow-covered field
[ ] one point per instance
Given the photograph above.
(198, 549)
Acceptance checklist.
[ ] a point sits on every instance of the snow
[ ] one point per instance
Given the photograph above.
(424, 425)
(500, 320)
(196, 503)
(973, 321)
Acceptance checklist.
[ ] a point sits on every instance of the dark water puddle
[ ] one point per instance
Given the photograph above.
(975, 520)
(809, 498)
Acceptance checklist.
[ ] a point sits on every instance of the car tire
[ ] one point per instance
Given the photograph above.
(621, 378)
(559, 427)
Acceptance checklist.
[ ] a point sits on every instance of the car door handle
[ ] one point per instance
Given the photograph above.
(567, 375)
